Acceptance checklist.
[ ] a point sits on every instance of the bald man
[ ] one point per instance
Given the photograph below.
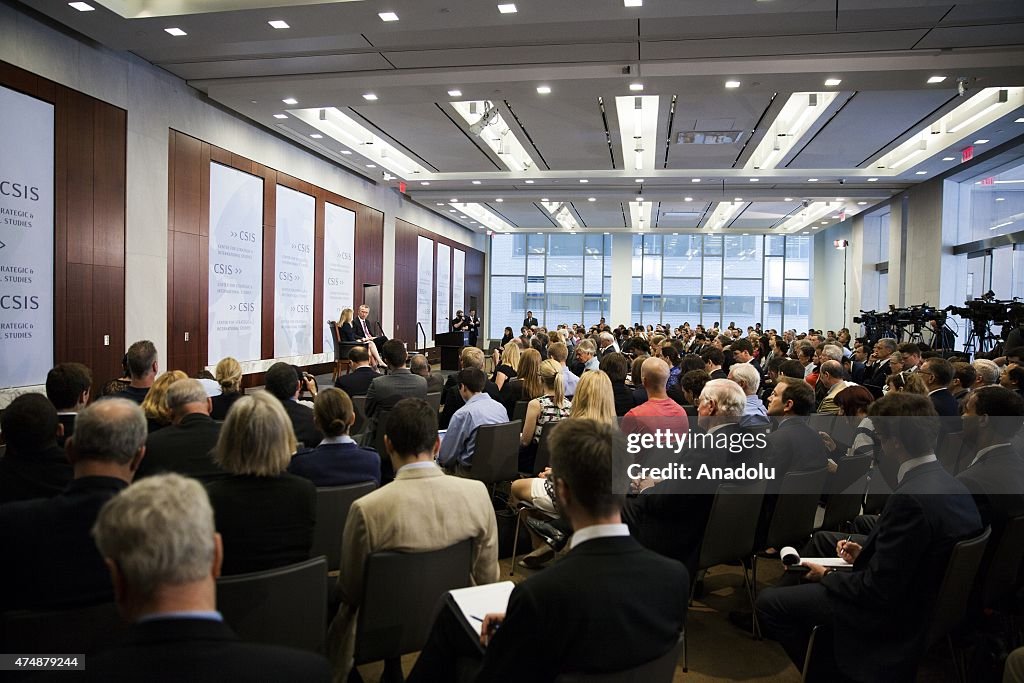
(659, 411)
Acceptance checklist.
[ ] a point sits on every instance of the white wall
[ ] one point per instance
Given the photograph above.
(831, 266)
(157, 101)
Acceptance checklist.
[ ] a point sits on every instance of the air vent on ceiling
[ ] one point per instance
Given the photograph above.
(709, 137)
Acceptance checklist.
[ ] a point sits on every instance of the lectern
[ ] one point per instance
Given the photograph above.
(451, 345)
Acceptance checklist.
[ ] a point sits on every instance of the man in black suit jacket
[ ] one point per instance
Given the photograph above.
(607, 606)
(34, 466)
(386, 391)
(177, 634)
(794, 446)
(995, 475)
(877, 369)
(878, 612)
(937, 374)
(357, 381)
(185, 446)
(282, 382)
(529, 321)
(51, 560)
(364, 329)
(68, 386)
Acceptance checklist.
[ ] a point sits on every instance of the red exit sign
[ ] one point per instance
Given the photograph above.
(966, 154)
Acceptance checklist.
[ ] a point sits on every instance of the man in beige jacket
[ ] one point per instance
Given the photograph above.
(831, 375)
(423, 509)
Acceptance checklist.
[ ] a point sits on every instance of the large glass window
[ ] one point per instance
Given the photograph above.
(992, 205)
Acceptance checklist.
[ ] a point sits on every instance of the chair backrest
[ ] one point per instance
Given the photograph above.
(543, 459)
(821, 423)
(434, 399)
(732, 524)
(493, 346)
(496, 456)
(79, 630)
(284, 606)
(948, 450)
(1000, 576)
(955, 591)
(519, 412)
(359, 406)
(400, 593)
(336, 336)
(660, 670)
(844, 428)
(378, 434)
(332, 504)
(795, 508)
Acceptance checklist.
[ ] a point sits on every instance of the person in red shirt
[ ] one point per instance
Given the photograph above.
(659, 411)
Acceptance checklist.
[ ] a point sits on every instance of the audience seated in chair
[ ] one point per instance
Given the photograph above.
(794, 446)
(552, 406)
(526, 385)
(419, 366)
(33, 466)
(283, 383)
(459, 443)
(658, 411)
(50, 560)
(143, 367)
(338, 460)
(357, 381)
(995, 472)
(451, 398)
(264, 514)
(560, 352)
(228, 375)
(68, 386)
(158, 541)
(878, 612)
(607, 606)
(186, 446)
(387, 390)
(754, 414)
(420, 511)
(154, 405)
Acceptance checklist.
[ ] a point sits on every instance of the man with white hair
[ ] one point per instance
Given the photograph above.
(878, 365)
(164, 555)
(51, 561)
(185, 446)
(608, 345)
(831, 376)
(748, 379)
(586, 353)
(987, 373)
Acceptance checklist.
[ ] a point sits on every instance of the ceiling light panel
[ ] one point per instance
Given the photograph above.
(387, 16)
(344, 129)
(484, 216)
(724, 213)
(801, 111)
(496, 133)
(81, 6)
(507, 8)
(638, 129)
(277, 23)
(176, 32)
(640, 213)
(814, 211)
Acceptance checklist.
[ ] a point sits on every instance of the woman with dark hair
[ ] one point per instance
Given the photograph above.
(507, 337)
(853, 402)
(338, 460)
(615, 365)
(671, 356)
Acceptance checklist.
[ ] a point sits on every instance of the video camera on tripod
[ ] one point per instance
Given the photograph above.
(983, 314)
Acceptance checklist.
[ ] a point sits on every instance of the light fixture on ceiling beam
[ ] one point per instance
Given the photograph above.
(290, 100)
(1001, 98)
(936, 79)
(732, 85)
(507, 8)
(175, 31)
(543, 89)
(454, 93)
(278, 23)
(81, 6)
(370, 97)
(832, 82)
(918, 150)
(387, 16)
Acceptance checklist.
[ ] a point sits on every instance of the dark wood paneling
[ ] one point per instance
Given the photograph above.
(89, 223)
(269, 254)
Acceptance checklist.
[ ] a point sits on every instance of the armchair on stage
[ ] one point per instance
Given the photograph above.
(341, 350)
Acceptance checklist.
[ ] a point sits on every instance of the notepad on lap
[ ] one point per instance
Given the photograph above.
(827, 562)
(476, 601)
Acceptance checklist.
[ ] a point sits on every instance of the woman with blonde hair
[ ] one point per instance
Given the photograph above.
(594, 398)
(158, 415)
(347, 334)
(509, 364)
(907, 382)
(526, 386)
(551, 406)
(264, 514)
(228, 374)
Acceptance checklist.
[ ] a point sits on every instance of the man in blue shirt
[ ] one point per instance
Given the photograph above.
(459, 441)
(754, 414)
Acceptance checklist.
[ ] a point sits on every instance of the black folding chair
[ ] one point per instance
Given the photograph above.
(660, 670)
(332, 505)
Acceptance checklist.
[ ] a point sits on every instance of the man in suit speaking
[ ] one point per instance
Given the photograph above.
(362, 326)
(529, 322)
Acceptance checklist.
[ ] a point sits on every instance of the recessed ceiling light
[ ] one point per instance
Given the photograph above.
(499, 200)
(832, 82)
(440, 203)
(387, 16)
(345, 152)
(948, 158)
(280, 116)
(545, 199)
(370, 97)
(82, 6)
(277, 23)
(633, 3)
(584, 180)
(1020, 120)
(687, 199)
(980, 142)
(453, 200)
(424, 182)
(936, 79)
(638, 180)
(175, 31)
(476, 182)
(540, 233)
(824, 222)
(755, 180)
(1000, 199)
(639, 198)
(528, 182)
(787, 199)
(732, 84)
(454, 93)
(290, 100)
(591, 199)
(737, 199)
(636, 87)
(507, 8)
(371, 166)
(694, 180)
(812, 180)
(462, 216)
(543, 90)
(872, 180)
(316, 136)
(451, 210)
(921, 173)
(862, 203)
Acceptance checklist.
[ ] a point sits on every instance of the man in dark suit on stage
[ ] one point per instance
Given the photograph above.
(363, 327)
(878, 612)
(473, 327)
(607, 606)
(282, 382)
(50, 560)
(185, 446)
(529, 321)
(357, 381)
(164, 579)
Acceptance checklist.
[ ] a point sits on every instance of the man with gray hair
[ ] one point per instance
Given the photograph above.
(754, 414)
(418, 365)
(987, 373)
(586, 353)
(831, 376)
(52, 561)
(164, 554)
(185, 446)
(607, 342)
(878, 365)
(143, 368)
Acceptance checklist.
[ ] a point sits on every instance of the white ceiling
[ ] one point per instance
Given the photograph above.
(588, 52)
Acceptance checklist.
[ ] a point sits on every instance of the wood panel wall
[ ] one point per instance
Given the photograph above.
(188, 247)
(406, 277)
(89, 223)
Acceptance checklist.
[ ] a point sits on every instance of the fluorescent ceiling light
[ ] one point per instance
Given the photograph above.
(638, 180)
(387, 16)
(732, 84)
(277, 23)
(862, 203)
(755, 180)
(507, 8)
(290, 100)
(591, 199)
(1000, 199)
(921, 173)
(949, 158)
(528, 182)
(81, 6)
(499, 200)
(584, 180)
(723, 214)
(1020, 120)
(787, 199)
(636, 87)
(694, 180)
(175, 31)
(370, 97)
(454, 93)
(345, 152)
(796, 118)
(936, 79)
(334, 124)
(476, 182)
(1001, 97)
(315, 136)
(872, 180)
(424, 182)
(832, 82)
(487, 122)
(280, 116)
(544, 90)
(687, 199)
(371, 166)
(812, 180)
(633, 3)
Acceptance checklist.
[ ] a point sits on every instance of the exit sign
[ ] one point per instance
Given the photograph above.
(966, 154)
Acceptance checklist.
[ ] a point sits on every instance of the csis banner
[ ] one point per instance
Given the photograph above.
(425, 290)
(235, 297)
(293, 279)
(26, 239)
(444, 264)
(339, 257)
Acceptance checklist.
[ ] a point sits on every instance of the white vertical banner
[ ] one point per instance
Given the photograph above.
(339, 257)
(425, 289)
(235, 296)
(26, 239)
(459, 281)
(444, 268)
(293, 276)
